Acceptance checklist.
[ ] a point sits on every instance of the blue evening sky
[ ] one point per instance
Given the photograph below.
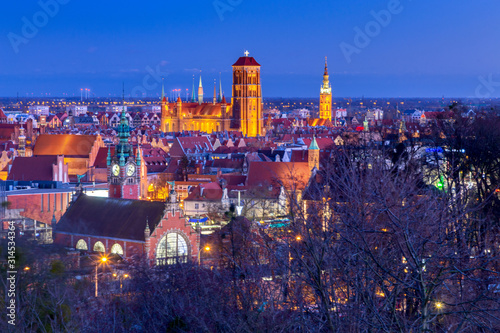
(424, 49)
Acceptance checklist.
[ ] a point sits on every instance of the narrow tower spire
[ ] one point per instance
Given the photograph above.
(200, 92)
(215, 90)
(193, 99)
(326, 77)
(162, 88)
(123, 148)
(123, 99)
(220, 88)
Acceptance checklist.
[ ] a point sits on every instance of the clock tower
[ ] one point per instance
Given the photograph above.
(124, 176)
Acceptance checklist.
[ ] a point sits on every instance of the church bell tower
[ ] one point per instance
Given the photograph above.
(247, 94)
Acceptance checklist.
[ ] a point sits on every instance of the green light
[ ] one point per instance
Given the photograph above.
(440, 183)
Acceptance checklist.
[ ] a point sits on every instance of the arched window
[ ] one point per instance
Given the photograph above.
(81, 245)
(99, 247)
(117, 249)
(172, 249)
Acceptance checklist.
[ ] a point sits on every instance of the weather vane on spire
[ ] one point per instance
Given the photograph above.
(246, 53)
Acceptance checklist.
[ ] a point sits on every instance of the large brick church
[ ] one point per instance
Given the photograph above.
(243, 113)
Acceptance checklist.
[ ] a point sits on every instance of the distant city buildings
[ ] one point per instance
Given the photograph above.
(116, 108)
(76, 110)
(341, 113)
(151, 108)
(375, 114)
(39, 110)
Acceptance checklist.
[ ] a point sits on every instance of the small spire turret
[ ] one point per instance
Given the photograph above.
(193, 99)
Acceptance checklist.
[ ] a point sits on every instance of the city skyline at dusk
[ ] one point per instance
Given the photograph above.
(377, 49)
(250, 166)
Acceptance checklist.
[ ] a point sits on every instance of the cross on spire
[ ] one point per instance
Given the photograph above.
(246, 53)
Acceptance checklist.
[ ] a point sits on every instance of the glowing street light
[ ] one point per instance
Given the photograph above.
(101, 260)
(206, 248)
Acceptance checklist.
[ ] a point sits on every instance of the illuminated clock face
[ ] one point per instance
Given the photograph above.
(116, 169)
(130, 169)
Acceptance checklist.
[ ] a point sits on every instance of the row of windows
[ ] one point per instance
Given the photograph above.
(52, 204)
(172, 249)
(130, 191)
(99, 247)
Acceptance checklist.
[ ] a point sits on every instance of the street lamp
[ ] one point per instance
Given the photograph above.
(206, 248)
(121, 281)
(102, 260)
(121, 278)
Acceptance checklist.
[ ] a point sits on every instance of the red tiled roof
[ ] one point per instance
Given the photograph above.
(192, 143)
(211, 192)
(233, 180)
(323, 143)
(37, 168)
(319, 122)
(246, 61)
(102, 156)
(64, 144)
(225, 150)
(299, 156)
(172, 166)
(291, 175)
(195, 109)
(226, 163)
(7, 130)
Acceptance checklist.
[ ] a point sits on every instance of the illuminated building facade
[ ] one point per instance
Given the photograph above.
(247, 96)
(243, 114)
(325, 97)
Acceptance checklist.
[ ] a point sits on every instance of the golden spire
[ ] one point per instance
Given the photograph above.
(326, 82)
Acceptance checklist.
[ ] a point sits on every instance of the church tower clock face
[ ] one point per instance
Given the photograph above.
(130, 169)
(116, 169)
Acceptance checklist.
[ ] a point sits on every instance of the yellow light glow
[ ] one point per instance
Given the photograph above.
(207, 248)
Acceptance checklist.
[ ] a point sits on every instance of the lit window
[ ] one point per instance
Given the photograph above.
(172, 249)
(99, 247)
(81, 245)
(117, 249)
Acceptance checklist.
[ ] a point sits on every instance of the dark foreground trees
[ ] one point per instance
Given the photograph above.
(383, 251)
